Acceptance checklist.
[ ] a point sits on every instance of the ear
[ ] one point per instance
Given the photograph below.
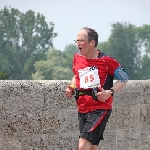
(93, 43)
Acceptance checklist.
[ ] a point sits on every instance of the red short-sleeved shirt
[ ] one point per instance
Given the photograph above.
(106, 66)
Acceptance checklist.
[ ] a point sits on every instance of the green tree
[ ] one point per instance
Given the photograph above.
(143, 35)
(144, 44)
(123, 46)
(3, 75)
(68, 53)
(145, 69)
(127, 43)
(53, 68)
(25, 38)
(105, 47)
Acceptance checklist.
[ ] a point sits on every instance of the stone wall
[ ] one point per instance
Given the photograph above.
(35, 115)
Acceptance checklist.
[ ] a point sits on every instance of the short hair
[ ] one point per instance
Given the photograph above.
(92, 35)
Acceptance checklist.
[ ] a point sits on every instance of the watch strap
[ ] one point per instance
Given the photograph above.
(112, 92)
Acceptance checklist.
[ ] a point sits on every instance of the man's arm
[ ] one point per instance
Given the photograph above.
(122, 79)
(70, 88)
(118, 86)
(105, 94)
(73, 82)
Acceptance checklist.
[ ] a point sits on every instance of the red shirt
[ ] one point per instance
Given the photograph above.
(106, 66)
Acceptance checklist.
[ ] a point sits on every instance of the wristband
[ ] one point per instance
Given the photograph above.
(112, 92)
(73, 86)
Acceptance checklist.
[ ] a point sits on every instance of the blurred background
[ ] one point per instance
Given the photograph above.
(37, 37)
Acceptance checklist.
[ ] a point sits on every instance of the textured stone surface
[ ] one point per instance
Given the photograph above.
(36, 115)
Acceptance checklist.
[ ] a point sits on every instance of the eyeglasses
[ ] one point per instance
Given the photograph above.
(79, 41)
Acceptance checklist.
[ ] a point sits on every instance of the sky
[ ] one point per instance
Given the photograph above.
(69, 16)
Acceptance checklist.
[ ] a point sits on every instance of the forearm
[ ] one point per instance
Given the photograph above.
(70, 88)
(118, 86)
(73, 81)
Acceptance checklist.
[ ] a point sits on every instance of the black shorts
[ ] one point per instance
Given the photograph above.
(92, 124)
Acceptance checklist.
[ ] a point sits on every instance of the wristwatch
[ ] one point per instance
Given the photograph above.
(112, 92)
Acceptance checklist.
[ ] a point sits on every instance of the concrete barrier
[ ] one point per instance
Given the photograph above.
(35, 115)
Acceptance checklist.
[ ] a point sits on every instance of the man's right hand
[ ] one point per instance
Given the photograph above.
(69, 91)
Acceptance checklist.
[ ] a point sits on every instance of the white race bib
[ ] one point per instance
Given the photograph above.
(89, 77)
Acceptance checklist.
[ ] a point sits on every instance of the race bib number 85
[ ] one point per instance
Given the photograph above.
(89, 77)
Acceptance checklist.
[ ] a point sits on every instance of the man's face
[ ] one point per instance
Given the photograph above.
(82, 42)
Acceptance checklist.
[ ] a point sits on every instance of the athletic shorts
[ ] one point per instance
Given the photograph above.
(92, 125)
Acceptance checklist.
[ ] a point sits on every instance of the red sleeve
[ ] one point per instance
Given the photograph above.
(112, 64)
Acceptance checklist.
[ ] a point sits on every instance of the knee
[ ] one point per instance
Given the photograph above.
(84, 144)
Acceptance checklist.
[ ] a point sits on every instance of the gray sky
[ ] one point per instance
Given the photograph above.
(69, 16)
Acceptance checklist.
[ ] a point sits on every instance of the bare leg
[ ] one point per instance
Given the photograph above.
(84, 144)
(94, 147)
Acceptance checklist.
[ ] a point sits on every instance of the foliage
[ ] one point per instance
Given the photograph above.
(126, 44)
(53, 68)
(145, 69)
(25, 38)
(68, 53)
(3, 75)
(144, 37)
(26, 48)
